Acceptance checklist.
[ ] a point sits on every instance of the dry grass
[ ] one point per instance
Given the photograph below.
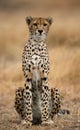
(64, 52)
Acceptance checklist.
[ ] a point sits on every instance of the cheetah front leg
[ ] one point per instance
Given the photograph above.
(56, 101)
(19, 102)
(45, 103)
(27, 103)
(27, 95)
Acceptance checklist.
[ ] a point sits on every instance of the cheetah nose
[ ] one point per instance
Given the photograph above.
(40, 31)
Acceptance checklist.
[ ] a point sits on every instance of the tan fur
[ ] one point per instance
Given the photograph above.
(39, 24)
(34, 105)
(36, 24)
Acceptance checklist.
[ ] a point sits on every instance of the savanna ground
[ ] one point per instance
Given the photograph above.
(64, 51)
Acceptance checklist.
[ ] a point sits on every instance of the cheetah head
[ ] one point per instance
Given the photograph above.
(38, 27)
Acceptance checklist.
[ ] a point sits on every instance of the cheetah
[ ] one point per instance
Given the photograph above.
(37, 103)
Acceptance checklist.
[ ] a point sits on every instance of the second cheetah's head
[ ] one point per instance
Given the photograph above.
(38, 27)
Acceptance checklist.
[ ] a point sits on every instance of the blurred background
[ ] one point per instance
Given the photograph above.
(63, 42)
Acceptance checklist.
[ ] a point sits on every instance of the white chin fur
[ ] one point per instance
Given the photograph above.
(39, 37)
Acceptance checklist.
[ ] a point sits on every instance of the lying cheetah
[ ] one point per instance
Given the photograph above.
(36, 103)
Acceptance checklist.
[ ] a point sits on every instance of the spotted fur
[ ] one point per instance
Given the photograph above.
(36, 103)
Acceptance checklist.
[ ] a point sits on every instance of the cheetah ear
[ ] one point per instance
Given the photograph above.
(50, 20)
(28, 19)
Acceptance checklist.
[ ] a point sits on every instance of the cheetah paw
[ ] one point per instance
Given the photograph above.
(48, 122)
(23, 122)
(27, 123)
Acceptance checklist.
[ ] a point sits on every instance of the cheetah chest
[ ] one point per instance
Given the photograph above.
(35, 69)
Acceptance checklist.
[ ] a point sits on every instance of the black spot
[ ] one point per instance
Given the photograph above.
(25, 61)
(46, 87)
(27, 97)
(58, 98)
(53, 113)
(45, 116)
(36, 58)
(22, 115)
(41, 65)
(59, 106)
(19, 94)
(28, 80)
(27, 87)
(29, 113)
(55, 89)
(45, 104)
(28, 103)
(18, 90)
(28, 109)
(45, 112)
(45, 96)
(29, 66)
(44, 78)
(25, 84)
(56, 104)
(57, 93)
(32, 49)
(45, 109)
(52, 91)
(26, 76)
(27, 93)
(68, 112)
(53, 99)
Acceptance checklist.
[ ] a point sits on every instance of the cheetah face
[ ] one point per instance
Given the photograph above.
(38, 27)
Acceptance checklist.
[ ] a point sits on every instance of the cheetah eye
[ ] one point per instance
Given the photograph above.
(45, 24)
(35, 24)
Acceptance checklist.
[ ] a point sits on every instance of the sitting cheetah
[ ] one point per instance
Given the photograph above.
(36, 103)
